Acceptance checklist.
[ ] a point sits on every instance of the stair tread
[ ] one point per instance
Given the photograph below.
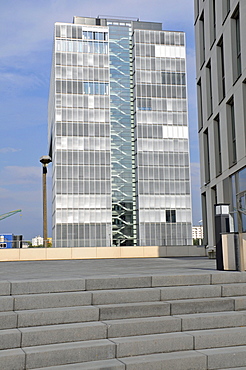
(130, 322)
(113, 364)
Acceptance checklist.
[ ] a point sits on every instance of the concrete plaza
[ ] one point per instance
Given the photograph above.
(27, 270)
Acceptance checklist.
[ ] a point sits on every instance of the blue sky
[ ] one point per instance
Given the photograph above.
(26, 39)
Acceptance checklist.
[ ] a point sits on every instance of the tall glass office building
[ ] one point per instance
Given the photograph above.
(118, 135)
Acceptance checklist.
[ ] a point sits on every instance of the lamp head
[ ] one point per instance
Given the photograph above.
(45, 159)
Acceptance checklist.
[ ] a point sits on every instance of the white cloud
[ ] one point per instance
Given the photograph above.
(16, 80)
(8, 150)
(17, 175)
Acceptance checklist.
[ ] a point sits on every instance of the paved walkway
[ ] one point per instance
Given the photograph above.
(104, 267)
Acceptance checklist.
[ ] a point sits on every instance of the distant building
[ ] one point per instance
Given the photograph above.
(10, 241)
(197, 232)
(220, 28)
(118, 134)
(38, 240)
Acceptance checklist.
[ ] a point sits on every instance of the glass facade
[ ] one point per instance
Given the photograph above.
(121, 145)
(118, 135)
(162, 148)
(238, 189)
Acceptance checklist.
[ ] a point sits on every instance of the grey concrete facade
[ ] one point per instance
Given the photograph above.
(220, 30)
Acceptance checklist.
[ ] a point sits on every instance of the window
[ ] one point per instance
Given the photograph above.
(204, 219)
(244, 110)
(221, 70)
(225, 9)
(217, 146)
(199, 102)
(232, 147)
(209, 90)
(236, 45)
(202, 39)
(95, 88)
(196, 8)
(171, 215)
(206, 157)
(213, 22)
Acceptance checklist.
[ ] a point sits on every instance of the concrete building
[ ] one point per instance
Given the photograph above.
(220, 28)
(10, 241)
(118, 134)
(38, 240)
(197, 232)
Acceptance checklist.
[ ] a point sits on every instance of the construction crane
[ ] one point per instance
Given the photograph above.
(8, 214)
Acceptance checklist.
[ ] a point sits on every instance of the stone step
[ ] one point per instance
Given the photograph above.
(212, 320)
(8, 320)
(6, 304)
(216, 338)
(133, 310)
(93, 365)
(180, 280)
(240, 303)
(233, 290)
(44, 335)
(185, 360)
(46, 286)
(235, 368)
(51, 316)
(10, 338)
(12, 359)
(172, 342)
(117, 296)
(188, 306)
(51, 300)
(4, 288)
(189, 292)
(119, 282)
(68, 353)
(229, 357)
(228, 277)
(142, 326)
(150, 344)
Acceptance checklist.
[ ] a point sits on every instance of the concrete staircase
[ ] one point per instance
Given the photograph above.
(186, 321)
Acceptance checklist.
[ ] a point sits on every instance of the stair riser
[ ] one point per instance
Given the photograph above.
(173, 293)
(8, 320)
(121, 312)
(181, 280)
(62, 334)
(68, 354)
(161, 343)
(225, 357)
(56, 316)
(180, 360)
(233, 290)
(4, 288)
(118, 283)
(133, 327)
(47, 286)
(10, 339)
(55, 300)
(12, 359)
(125, 296)
(6, 304)
(212, 321)
(189, 307)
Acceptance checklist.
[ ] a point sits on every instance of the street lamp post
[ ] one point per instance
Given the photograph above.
(45, 160)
